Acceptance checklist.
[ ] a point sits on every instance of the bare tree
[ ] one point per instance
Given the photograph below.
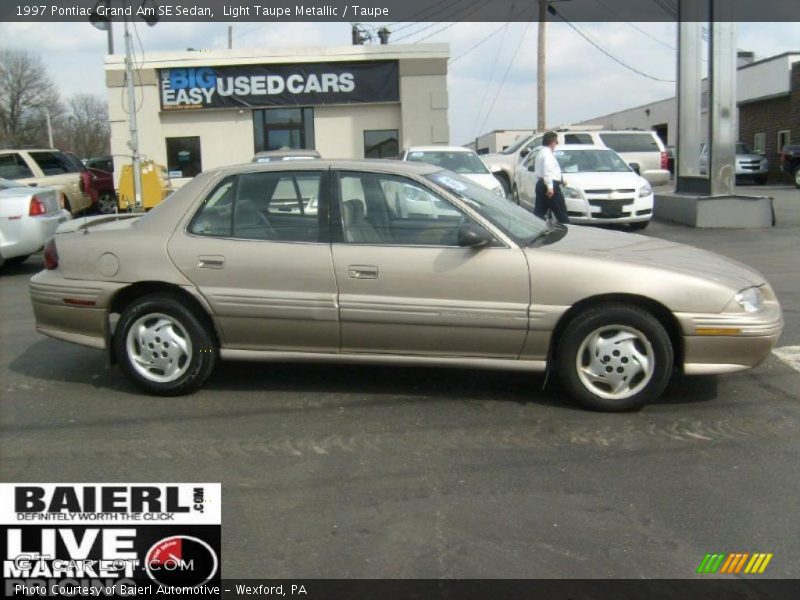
(84, 129)
(26, 93)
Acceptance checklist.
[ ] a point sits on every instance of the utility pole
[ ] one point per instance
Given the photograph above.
(49, 126)
(110, 38)
(133, 143)
(541, 73)
(230, 37)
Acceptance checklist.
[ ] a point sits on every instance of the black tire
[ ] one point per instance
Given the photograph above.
(639, 225)
(196, 368)
(515, 194)
(65, 203)
(107, 204)
(17, 260)
(504, 181)
(631, 318)
(760, 179)
(796, 177)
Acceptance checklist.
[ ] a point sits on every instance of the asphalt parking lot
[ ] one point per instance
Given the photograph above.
(344, 471)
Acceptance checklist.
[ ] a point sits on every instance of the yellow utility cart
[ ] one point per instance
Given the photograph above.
(155, 186)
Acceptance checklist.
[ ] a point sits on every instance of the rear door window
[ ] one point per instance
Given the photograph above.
(630, 142)
(13, 166)
(53, 163)
(577, 138)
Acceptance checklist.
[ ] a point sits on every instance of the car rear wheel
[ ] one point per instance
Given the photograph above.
(639, 225)
(615, 358)
(515, 194)
(163, 346)
(797, 177)
(107, 204)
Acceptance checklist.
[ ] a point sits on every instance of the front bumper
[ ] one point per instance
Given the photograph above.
(729, 342)
(595, 211)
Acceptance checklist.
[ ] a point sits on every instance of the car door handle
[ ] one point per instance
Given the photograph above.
(362, 272)
(210, 262)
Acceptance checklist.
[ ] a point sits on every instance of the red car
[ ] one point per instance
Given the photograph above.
(99, 185)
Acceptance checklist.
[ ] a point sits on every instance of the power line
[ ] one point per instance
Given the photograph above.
(594, 43)
(413, 20)
(487, 38)
(505, 75)
(642, 31)
(491, 71)
(474, 6)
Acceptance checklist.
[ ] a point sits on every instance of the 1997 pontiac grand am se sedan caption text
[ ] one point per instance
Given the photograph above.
(395, 263)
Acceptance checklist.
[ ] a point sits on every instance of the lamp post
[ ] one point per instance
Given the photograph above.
(104, 24)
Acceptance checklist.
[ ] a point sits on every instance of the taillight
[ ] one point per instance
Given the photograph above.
(36, 207)
(664, 161)
(50, 255)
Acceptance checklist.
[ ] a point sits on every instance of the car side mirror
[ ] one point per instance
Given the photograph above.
(471, 235)
(636, 168)
(532, 167)
(524, 152)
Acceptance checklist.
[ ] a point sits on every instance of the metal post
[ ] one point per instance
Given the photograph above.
(541, 73)
(110, 38)
(230, 37)
(49, 126)
(133, 142)
(690, 53)
(722, 100)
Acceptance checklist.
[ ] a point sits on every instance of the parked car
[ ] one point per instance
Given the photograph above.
(48, 167)
(29, 217)
(457, 159)
(671, 159)
(599, 187)
(286, 154)
(99, 185)
(749, 165)
(214, 272)
(103, 163)
(790, 162)
(643, 150)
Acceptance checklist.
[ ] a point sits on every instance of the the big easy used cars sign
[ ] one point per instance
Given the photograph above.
(305, 84)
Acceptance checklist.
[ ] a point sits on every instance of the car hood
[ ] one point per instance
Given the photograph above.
(623, 247)
(604, 181)
(749, 157)
(486, 180)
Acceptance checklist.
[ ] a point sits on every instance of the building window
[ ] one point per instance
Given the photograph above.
(183, 156)
(381, 143)
(283, 128)
(784, 138)
(760, 143)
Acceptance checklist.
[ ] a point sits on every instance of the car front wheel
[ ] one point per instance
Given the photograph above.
(163, 347)
(107, 204)
(797, 177)
(639, 225)
(615, 358)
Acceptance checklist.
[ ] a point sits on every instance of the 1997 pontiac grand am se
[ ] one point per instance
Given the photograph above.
(394, 263)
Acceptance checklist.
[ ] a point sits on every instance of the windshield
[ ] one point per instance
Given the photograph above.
(590, 161)
(743, 149)
(517, 146)
(458, 162)
(519, 224)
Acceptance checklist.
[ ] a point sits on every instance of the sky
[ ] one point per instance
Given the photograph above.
(491, 87)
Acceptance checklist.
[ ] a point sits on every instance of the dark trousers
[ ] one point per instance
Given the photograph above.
(555, 204)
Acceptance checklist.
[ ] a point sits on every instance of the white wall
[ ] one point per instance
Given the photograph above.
(339, 130)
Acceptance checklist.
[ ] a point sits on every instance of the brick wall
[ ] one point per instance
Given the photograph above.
(770, 117)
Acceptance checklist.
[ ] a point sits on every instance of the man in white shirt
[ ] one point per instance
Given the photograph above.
(548, 181)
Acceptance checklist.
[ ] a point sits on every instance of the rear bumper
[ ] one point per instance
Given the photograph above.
(657, 176)
(70, 309)
(29, 234)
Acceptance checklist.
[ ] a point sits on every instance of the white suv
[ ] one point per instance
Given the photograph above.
(643, 150)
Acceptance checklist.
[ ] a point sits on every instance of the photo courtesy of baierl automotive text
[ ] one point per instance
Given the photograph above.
(400, 299)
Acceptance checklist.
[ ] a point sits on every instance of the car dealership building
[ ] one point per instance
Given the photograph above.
(198, 110)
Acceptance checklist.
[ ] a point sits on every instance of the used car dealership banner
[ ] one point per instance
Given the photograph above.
(305, 84)
(109, 539)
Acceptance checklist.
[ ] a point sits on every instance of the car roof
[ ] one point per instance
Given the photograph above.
(440, 149)
(8, 150)
(378, 165)
(582, 147)
(288, 152)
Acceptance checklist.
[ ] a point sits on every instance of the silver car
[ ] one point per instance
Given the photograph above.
(29, 217)
(749, 165)
(221, 270)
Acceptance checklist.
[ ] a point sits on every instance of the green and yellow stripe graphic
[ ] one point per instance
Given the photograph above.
(732, 563)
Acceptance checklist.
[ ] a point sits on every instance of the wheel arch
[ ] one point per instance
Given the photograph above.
(661, 313)
(129, 294)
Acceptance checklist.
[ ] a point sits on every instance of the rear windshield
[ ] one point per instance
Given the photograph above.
(631, 142)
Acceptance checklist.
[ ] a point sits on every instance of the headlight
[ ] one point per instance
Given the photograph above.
(645, 191)
(571, 193)
(750, 299)
(499, 191)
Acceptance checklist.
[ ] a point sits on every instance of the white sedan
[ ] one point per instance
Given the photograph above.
(29, 216)
(598, 187)
(457, 159)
